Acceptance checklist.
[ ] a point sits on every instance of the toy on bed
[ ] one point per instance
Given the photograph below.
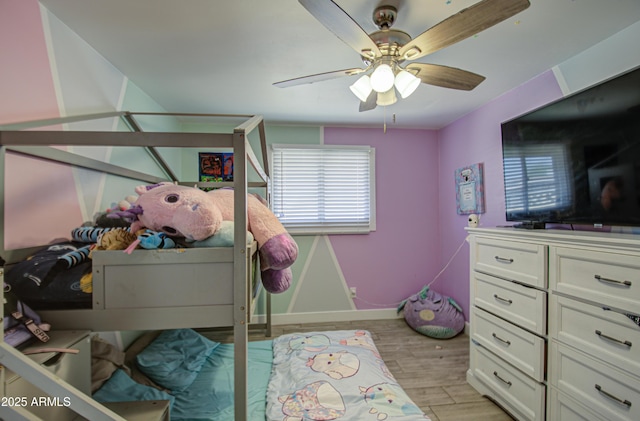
(433, 314)
(115, 216)
(118, 238)
(181, 211)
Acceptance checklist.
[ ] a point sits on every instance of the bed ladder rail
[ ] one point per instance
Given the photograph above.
(50, 384)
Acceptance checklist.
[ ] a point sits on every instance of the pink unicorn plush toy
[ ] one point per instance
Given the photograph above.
(189, 212)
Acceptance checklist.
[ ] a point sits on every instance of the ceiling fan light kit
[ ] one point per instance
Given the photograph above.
(386, 49)
(382, 78)
(406, 83)
(362, 88)
(387, 98)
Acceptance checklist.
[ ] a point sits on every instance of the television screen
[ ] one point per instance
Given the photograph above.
(577, 160)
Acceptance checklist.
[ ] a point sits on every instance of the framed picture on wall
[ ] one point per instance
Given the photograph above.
(469, 189)
(215, 166)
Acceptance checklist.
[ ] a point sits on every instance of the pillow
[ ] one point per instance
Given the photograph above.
(175, 357)
(130, 358)
(121, 388)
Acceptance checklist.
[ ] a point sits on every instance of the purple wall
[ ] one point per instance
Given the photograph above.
(402, 255)
(473, 139)
(417, 167)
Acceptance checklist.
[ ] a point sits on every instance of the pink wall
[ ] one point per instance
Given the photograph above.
(27, 93)
(26, 85)
(473, 139)
(402, 255)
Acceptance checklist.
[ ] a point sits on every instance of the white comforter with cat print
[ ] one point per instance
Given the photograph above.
(336, 375)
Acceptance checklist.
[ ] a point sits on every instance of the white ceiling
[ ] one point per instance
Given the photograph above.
(207, 56)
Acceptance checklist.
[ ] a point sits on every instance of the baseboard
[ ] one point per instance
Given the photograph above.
(336, 316)
(329, 316)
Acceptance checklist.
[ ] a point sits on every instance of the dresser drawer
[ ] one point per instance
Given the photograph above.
(612, 279)
(604, 334)
(518, 393)
(514, 345)
(563, 408)
(524, 306)
(600, 387)
(513, 260)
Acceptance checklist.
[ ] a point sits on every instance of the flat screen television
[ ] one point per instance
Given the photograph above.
(576, 160)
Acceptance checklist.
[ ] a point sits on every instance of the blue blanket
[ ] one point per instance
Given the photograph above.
(336, 375)
(198, 375)
(210, 396)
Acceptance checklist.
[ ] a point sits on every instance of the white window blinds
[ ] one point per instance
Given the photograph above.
(536, 177)
(324, 189)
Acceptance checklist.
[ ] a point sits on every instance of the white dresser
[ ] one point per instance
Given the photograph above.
(551, 332)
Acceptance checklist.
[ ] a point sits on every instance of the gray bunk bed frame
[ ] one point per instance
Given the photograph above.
(232, 308)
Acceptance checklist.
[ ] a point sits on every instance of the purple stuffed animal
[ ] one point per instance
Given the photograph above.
(433, 314)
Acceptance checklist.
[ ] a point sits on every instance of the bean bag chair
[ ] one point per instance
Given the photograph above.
(433, 314)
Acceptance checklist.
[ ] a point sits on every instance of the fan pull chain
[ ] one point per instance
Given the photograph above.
(384, 130)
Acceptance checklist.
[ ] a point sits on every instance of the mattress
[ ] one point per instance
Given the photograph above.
(334, 375)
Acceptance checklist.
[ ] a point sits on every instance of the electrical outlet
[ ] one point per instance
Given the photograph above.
(353, 292)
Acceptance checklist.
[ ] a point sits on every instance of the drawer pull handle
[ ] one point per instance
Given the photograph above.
(627, 343)
(610, 396)
(503, 259)
(504, 341)
(508, 383)
(504, 300)
(612, 281)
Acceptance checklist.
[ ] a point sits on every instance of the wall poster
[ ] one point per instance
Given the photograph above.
(215, 166)
(469, 189)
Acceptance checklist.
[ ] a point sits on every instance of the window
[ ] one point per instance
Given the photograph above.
(324, 189)
(537, 178)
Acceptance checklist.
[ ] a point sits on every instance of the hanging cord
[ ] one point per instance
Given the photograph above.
(387, 305)
(385, 120)
(449, 262)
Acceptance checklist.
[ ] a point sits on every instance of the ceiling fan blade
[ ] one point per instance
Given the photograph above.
(462, 25)
(342, 25)
(444, 76)
(370, 103)
(318, 77)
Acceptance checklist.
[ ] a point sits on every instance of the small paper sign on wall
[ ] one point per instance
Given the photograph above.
(470, 189)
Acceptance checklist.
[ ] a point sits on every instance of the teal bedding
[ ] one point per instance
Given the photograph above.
(198, 374)
(331, 375)
(210, 396)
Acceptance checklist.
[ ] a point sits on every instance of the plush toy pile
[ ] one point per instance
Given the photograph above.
(196, 216)
(433, 314)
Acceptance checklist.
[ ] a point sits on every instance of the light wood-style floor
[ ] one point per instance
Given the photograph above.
(432, 371)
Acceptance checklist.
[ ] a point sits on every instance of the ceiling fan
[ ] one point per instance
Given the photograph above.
(384, 51)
